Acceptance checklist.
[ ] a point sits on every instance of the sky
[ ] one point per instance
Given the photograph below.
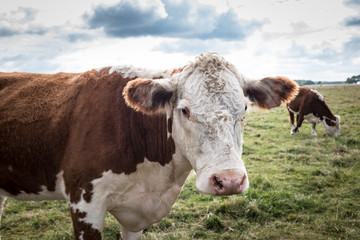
(315, 40)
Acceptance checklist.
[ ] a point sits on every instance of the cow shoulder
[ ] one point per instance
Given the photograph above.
(108, 135)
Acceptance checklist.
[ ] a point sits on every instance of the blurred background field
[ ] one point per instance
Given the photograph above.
(301, 187)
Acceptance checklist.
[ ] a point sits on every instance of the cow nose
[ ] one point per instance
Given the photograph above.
(228, 184)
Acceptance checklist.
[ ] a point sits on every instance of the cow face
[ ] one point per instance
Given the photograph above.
(332, 126)
(207, 101)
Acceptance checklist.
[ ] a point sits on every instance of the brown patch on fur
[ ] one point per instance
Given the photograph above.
(169, 125)
(75, 123)
(146, 96)
(83, 229)
(34, 109)
(330, 122)
(176, 70)
(104, 71)
(271, 92)
(307, 102)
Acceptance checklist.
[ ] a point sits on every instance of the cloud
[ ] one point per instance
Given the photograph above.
(7, 32)
(352, 2)
(20, 15)
(123, 19)
(197, 46)
(182, 19)
(352, 48)
(353, 21)
(37, 53)
(74, 37)
(20, 22)
(300, 27)
(325, 53)
(32, 30)
(28, 62)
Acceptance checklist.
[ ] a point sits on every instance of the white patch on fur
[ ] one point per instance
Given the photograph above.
(137, 200)
(312, 118)
(331, 130)
(2, 200)
(320, 96)
(292, 132)
(81, 237)
(293, 111)
(313, 132)
(129, 71)
(10, 168)
(131, 235)
(45, 194)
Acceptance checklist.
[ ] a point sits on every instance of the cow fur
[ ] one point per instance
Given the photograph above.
(309, 104)
(123, 139)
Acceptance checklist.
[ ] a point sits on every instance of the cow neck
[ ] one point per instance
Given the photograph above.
(109, 136)
(151, 137)
(327, 114)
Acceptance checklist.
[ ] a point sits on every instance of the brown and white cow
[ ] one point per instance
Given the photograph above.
(309, 104)
(74, 137)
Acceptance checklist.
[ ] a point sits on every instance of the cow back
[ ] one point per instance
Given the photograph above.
(33, 129)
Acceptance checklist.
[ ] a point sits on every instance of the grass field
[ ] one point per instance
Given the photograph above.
(301, 187)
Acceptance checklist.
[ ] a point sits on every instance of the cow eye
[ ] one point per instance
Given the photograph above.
(245, 107)
(186, 112)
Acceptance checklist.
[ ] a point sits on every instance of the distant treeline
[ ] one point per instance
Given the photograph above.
(310, 82)
(351, 80)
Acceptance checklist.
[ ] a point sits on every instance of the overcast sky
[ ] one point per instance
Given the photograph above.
(301, 39)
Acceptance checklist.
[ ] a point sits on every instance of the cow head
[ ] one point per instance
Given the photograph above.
(332, 126)
(207, 101)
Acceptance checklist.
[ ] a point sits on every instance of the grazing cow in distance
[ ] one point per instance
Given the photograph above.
(124, 139)
(309, 104)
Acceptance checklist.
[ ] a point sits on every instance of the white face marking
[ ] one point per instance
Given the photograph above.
(45, 194)
(211, 137)
(333, 130)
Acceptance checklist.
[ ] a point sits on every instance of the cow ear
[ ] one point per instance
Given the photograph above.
(147, 95)
(271, 92)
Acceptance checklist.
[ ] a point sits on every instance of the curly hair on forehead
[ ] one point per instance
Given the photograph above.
(211, 64)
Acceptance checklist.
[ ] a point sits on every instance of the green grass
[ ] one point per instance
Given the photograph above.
(301, 187)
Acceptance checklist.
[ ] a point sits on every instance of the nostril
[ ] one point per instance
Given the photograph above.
(217, 183)
(228, 184)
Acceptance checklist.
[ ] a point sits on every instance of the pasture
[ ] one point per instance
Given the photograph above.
(301, 187)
